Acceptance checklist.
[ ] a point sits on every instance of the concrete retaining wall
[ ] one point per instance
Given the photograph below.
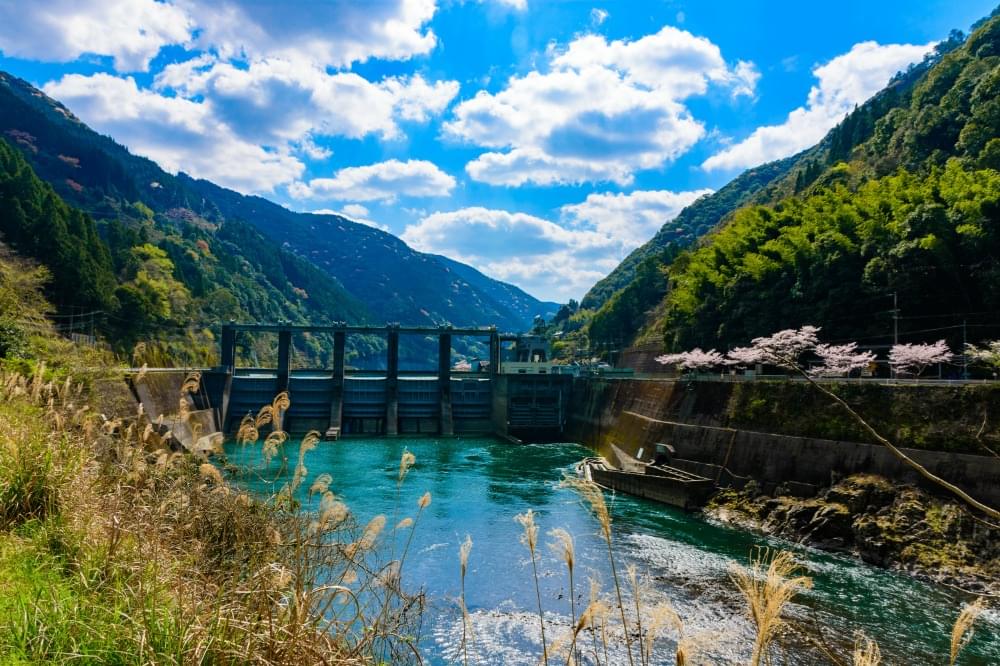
(638, 414)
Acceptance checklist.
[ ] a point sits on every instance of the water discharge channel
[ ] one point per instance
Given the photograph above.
(478, 486)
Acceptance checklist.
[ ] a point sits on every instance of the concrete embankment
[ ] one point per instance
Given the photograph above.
(160, 394)
(786, 433)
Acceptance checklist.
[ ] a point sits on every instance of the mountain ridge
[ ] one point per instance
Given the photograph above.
(101, 177)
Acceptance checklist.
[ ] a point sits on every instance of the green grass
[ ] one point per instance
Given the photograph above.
(54, 611)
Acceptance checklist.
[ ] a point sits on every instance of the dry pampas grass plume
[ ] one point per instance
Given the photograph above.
(961, 632)
(767, 586)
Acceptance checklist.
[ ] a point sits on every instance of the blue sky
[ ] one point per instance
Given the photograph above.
(539, 141)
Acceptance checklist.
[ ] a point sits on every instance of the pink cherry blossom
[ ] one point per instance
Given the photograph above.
(785, 347)
(744, 357)
(914, 358)
(696, 359)
(840, 360)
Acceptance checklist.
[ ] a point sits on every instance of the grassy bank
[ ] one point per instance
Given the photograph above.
(114, 550)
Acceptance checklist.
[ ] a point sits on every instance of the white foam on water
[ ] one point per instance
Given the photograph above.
(675, 560)
(513, 637)
(433, 547)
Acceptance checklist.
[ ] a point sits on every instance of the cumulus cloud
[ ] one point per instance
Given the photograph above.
(131, 32)
(268, 78)
(354, 213)
(275, 100)
(672, 61)
(179, 134)
(247, 126)
(603, 110)
(845, 81)
(533, 253)
(333, 33)
(632, 218)
(549, 259)
(383, 181)
(355, 210)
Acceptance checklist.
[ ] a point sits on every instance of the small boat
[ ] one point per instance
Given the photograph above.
(649, 480)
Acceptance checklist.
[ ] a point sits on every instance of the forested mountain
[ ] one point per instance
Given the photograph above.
(186, 254)
(693, 222)
(396, 282)
(901, 197)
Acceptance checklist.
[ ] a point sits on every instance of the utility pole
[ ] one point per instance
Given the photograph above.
(965, 354)
(895, 328)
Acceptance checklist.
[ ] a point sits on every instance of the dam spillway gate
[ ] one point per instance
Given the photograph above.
(344, 401)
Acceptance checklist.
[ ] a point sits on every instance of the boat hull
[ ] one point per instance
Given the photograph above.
(685, 494)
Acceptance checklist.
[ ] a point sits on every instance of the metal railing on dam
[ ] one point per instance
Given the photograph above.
(339, 400)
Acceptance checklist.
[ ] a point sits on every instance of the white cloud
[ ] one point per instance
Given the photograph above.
(355, 210)
(672, 60)
(244, 126)
(533, 253)
(332, 33)
(179, 134)
(552, 260)
(632, 218)
(383, 181)
(273, 101)
(845, 81)
(598, 16)
(132, 32)
(518, 5)
(603, 110)
(354, 213)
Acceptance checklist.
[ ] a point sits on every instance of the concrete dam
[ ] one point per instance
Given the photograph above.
(511, 394)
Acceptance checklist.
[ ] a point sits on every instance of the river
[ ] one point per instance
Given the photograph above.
(478, 485)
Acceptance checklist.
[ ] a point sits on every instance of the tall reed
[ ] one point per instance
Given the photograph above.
(463, 560)
(564, 547)
(866, 652)
(529, 538)
(636, 595)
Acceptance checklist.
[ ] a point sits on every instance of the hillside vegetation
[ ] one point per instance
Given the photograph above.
(159, 278)
(693, 222)
(900, 198)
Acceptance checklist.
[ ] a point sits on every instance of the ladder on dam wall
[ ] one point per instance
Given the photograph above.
(338, 401)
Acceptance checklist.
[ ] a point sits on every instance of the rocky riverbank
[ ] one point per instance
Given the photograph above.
(885, 524)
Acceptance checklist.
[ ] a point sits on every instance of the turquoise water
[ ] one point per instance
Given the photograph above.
(478, 485)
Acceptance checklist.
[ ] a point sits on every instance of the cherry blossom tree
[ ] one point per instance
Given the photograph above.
(913, 359)
(696, 359)
(787, 345)
(840, 360)
(782, 349)
(744, 357)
